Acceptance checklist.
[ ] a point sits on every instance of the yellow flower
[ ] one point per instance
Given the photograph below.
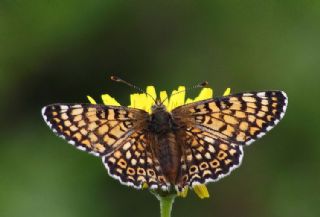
(145, 102)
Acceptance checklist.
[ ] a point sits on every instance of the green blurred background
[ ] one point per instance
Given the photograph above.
(60, 51)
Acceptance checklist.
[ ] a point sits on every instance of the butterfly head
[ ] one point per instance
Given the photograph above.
(158, 106)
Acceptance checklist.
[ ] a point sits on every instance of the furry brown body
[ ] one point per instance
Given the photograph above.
(165, 146)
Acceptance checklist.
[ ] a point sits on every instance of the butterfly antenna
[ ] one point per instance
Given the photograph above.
(200, 85)
(117, 79)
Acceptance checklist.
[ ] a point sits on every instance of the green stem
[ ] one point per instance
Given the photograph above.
(166, 203)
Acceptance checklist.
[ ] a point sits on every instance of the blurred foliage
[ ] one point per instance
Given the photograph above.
(60, 51)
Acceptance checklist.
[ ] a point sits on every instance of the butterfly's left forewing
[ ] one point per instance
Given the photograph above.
(217, 128)
(96, 129)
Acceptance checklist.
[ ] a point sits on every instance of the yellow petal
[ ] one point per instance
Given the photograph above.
(138, 100)
(91, 100)
(108, 100)
(189, 101)
(164, 98)
(150, 100)
(151, 91)
(143, 101)
(206, 93)
(177, 98)
(132, 100)
(183, 193)
(145, 185)
(201, 191)
(227, 92)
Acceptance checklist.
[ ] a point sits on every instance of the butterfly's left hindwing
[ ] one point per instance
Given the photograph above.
(134, 164)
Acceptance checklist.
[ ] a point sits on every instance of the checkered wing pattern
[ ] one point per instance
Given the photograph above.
(135, 165)
(207, 158)
(96, 129)
(113, 133)
(216, 130)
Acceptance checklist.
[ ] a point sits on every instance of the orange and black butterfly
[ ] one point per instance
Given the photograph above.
(193, 144)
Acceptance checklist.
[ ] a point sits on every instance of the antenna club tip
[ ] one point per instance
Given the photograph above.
(205, 83)
(114, 78)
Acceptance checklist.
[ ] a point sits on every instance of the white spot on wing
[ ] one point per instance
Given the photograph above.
(261, 94)
(154, 186)
(76, 106)
(195, 183)
(126, 146)
(164, 188)
(269, 128)
(104, 161)
(260, 134)
(128, 155)
(43, 110)
(208, 139)
(224, 175)
(250, 141)
(284, 94)
(63, 107)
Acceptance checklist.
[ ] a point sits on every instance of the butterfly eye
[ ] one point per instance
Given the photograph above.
(154, 107)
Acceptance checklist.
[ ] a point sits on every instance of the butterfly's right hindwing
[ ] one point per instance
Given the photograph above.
(206, 158)
(216, 130)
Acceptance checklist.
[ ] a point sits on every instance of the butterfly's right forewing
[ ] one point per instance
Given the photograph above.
(240, 118)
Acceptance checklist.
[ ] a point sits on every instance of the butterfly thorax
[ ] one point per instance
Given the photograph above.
(163, 132)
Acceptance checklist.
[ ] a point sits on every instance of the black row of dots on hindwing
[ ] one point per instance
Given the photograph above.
(211, 160)
(226, 158)
(133, 164)
(122, 164)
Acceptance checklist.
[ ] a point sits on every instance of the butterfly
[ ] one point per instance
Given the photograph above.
(193, 144)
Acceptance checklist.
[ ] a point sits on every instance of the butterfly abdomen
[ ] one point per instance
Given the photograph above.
(169, 156)
(165, 145)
